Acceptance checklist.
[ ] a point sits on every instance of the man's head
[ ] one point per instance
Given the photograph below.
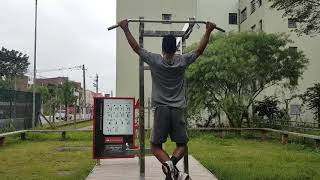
(169, 44)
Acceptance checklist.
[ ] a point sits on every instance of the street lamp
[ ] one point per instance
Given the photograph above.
(34, 65)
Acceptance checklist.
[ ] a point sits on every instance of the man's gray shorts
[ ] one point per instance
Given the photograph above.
(169, 121)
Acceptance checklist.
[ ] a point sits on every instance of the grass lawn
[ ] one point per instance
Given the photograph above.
(235, 158)
(40, 157)
(230, 158)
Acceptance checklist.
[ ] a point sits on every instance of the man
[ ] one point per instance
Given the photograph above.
(168, 96)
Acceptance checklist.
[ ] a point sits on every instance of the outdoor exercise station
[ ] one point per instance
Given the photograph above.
(160, 90)
(118, 140)
(114, 135)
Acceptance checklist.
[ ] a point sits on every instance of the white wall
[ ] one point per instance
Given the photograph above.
(216, 11)
(255, 17)
(127, 62)
(127, 83)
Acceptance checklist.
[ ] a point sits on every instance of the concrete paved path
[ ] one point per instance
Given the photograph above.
(128, 169)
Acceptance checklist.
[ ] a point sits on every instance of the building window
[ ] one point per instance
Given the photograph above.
(260, 26)
(292, 23)
(244, 14)
(253, 28)
(260, 3)
(233, 18)
(295, 109)
(253, 6)
(167, 17)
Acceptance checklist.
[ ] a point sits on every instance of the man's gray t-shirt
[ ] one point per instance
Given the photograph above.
(168, 86)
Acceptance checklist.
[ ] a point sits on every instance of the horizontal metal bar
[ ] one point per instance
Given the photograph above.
(165, 22)
(58, 130)
(112, 27)
(12, 133)
(163, 33)
(159, 21)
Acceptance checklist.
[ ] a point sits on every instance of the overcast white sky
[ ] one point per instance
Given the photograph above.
(70, 33)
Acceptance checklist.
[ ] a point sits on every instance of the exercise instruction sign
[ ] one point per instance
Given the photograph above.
(113, 128)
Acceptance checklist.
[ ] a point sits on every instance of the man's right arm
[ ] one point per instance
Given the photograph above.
(133, 43)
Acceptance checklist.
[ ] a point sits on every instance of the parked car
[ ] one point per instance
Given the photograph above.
(61, 114)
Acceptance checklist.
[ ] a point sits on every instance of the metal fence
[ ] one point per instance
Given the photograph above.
(16, 110)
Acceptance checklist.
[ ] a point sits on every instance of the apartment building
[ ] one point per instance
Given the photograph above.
(256, 15)
(232, 15)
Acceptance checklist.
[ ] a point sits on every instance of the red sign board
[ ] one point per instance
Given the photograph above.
(114, 127)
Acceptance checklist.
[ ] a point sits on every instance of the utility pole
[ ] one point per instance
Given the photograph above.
(84, 92)
(96, 84)
(239, 16)
(34, 65)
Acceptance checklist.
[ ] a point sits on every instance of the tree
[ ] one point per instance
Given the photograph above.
(269, 108)
(312, 98)
(67, 96)
(12, 63)
(53, 102)
(6, 84)
(236, 68)
(304, 12)
(44, 93)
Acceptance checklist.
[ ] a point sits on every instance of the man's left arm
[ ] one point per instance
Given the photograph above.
(192, 56)
(204, 41)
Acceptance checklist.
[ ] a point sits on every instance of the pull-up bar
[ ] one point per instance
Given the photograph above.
(165, 22)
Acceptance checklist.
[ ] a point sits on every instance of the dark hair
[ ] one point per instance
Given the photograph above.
(169, 44)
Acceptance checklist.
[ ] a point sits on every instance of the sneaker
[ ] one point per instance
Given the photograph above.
(169, 170)
(183, 176)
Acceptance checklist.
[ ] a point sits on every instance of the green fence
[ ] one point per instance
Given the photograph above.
(16, 110)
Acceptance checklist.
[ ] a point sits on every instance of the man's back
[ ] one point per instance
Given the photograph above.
(168, 86)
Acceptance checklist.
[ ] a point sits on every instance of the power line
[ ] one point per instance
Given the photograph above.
(61, 69)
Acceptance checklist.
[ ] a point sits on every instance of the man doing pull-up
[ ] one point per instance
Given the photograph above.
(168, 96)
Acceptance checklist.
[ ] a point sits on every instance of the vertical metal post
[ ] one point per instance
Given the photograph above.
(239, 17)
(34, 65)
(141, 108)
(84, 92)
(186, 157)
(98, 162)
(149, 107)
(97, 84)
